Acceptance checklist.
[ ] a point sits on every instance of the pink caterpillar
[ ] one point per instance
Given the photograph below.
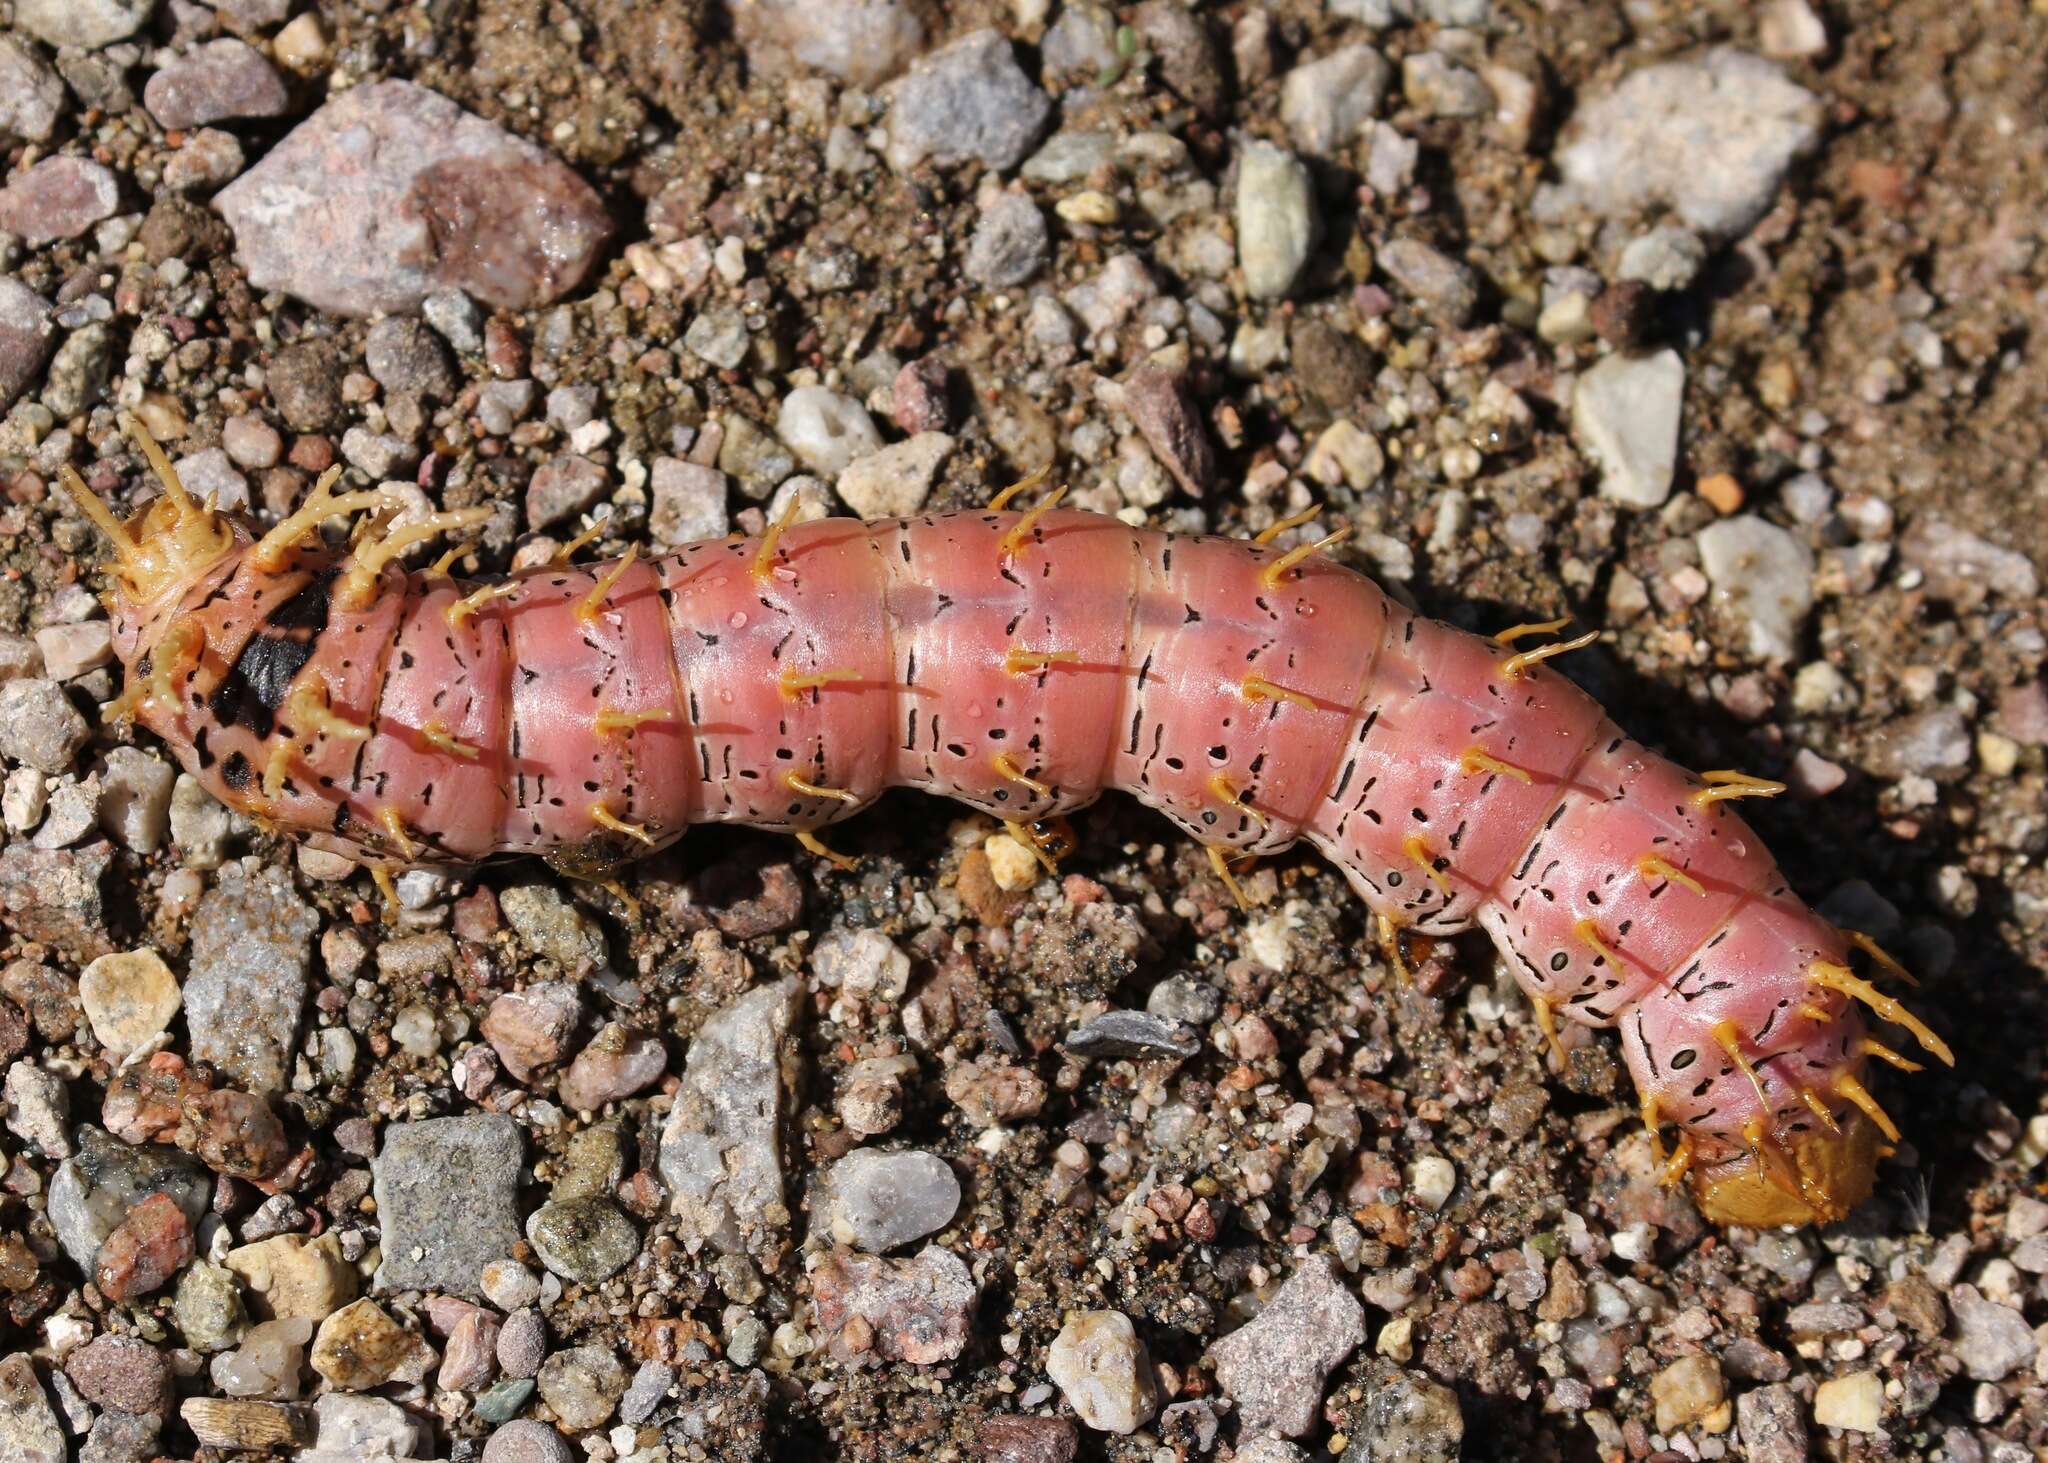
(1021, 663)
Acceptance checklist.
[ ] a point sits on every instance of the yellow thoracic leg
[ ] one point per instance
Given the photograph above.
(610, 722)
(359, 584)
(587, 612)
(1652, 869)
(1536, 627)
(1020, 533)
(1227, 792)
(461, 610)
(1588, 934)
(605, 818)
(1023, 484)
(1512, 667)
(1730, 1041)
(1847, 1085)
(1258, 688)
(321, 506)
(1219, 860)
(1870, 1046)
(795, 683)
(764, 557)
(816, 790)
(1272, 574)
(1877, 953)
(1546, 1022)
(311, 713)
(277, 766)
(1723, 784)
(1390, 946)
(437, 736)
(1279, 526)
(817, 846)
(1021, 662)
(568, 551)
(381, 877)
(1841, 978)
(1680, 1162)
(394, 828)
(1820, 1109)
(1653, 1120)
(1006, 767)
(1474, 762)
(1419, 855)
(619, 892)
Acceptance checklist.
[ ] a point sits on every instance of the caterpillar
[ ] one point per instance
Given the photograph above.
(1021, 662)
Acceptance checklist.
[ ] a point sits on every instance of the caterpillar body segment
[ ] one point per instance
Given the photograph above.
(1023, 662)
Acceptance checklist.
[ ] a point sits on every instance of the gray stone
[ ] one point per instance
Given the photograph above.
(895, 481)
(252, 14)
(1325, 102)
(347, 1426)
(564, 486)
(391, 193)
(1010, 242)
(1625, 413)
(1763, 577)
(754, 456)
(210, 474)
(1407, 1419)
(1993, 1341)
(1274, 1367)
(878, 1201)
(31, 94)
(826, 430)
(586, 1240)
(1102, 1369)
(88, 24)
(39, 726)
(79, 371)
(404, 354)
(1932, 743)
(1116, 1034)
(53, 896)
(208, 1307)
(1156, 396)
(457, 318)
(216, 82)
(554, 926)
(721, 1153)
(59, 198)
(914, 1310)
(965, 102)
(689, 502)
(719, 336)
(862, 42)
(1184, 999)
(582, 1384)
(26, 338)
(122, 1437)
(1666, 258)
(1709, 137)
(1964, 569)
(1772, 1423)
(245, 982)
(29, 1430)
(38, 1109)
(525, 1441)
(1445, 288)
(1277, 221)
(650, 1384)
(1439, 87)
(94, 1189)
(1081, 43)
(447, 1196)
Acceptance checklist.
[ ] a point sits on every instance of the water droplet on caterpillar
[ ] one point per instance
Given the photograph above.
(737, 619)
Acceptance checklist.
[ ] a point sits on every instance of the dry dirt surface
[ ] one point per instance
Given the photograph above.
(1715, 326)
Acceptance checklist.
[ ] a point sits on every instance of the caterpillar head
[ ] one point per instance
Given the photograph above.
(1815, 1178)
(160, 552)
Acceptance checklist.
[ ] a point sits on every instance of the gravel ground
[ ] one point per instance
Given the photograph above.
(1716, 326)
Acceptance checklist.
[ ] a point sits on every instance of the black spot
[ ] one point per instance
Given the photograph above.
(1684, 1059)
(1560, 960)
(236, 772)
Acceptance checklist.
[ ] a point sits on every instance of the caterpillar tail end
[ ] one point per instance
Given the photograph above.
(1835, 1172)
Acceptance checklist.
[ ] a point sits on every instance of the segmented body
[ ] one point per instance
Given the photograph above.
(1022, 664)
